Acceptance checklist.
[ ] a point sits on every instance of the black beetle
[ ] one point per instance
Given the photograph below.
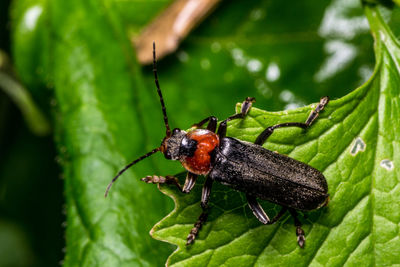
(243, 166)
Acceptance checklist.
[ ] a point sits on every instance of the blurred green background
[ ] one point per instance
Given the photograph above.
(31, 193)
(284, 54)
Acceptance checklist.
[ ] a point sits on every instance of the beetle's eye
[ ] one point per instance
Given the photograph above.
(175, 131)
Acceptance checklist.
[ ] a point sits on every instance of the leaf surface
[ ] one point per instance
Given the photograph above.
(355, 143)
(79, 49)
(107, 111)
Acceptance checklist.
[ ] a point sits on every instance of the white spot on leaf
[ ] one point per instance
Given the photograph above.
(358, 145)
(387, 164)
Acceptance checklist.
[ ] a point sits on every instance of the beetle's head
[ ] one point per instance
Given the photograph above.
(178, 145)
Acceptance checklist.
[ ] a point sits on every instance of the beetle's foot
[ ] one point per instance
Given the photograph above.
(195, 230)
(193, 233)
(190, 239)
(324, 101)
(315, 113)
(154, 179)
(246, 106)
(250, 99)
(301, 239)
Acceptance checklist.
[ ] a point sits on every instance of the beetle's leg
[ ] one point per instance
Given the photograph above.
(313, 115)
(205, 195)
(189, 182)
(212, 123)
(248, 102)
(154, 179)
(278, 216)
(246, 105)
(301, 239)
(267, 132)
(257, 210)
(197, 226)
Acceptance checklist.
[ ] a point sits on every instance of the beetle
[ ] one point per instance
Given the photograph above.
(243, 166)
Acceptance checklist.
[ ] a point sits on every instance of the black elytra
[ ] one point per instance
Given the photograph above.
(243, 166)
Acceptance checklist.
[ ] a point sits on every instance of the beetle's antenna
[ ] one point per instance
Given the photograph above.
(128, 166)
(164, 110)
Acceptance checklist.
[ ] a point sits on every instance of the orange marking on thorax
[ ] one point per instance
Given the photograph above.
(200, 163)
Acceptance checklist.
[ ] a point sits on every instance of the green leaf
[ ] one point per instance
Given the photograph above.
(96, 82)
(107, 110)
(354, 142)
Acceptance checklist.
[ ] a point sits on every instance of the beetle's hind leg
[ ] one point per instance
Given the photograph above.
(278, 216)
(189, 182)
(301, 239)
(311, 118)
(259, 212)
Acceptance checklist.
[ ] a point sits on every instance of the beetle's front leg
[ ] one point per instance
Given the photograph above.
(313, 115)
(246, 105)
(212, 123)
(189, 182)
(248, 102)
(154, 179)
(205, 196)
